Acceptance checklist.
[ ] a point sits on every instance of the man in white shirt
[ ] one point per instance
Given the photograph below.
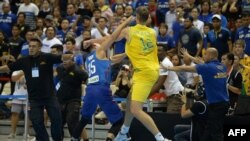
(50, 40)
(170, 16)
(31, 11)
(101, 30)
(171, 82)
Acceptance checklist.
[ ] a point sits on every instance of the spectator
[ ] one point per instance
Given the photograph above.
(219, 37)
(178, 25)
(123, 82)
(242, 33)
(25, 47)
(57, 17)
(190, 38)
(96, 15)
(171, 14)
(105, 10)
(238, 50)
(129, 10)
(164, 38)
(86, 8)
(205, 14)
(31, 11)
(21, 23)
(71, 15)
(192, 78)
(171, 83)
(101, 30)
(245, 6)
(162, 9)
(7, 19)
(216, 9)
(61, 34)
(50, 39)
(45, 9)
(231, 10)
(197, 23)
(4, 54)
(15, 41)
(177, 61)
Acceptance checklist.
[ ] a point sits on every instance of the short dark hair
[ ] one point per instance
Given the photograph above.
(97, 9)
(142, 13)
(36, 40)
(58, 47)
(22, 13)
(72, 40)
(103, 18)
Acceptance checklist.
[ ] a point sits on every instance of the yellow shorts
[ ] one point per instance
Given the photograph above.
(142, 84)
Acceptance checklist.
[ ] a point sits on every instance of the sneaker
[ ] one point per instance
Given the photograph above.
(122, 137)
(167, 139)
(11, 136)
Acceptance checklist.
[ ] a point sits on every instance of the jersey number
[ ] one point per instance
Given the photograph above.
(147, 45)
(91, 67)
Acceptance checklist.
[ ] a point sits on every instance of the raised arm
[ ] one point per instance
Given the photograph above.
(118, 57)
(110, 39)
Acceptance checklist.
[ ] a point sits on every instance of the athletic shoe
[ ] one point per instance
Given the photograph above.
(122, 137)
(11, 136)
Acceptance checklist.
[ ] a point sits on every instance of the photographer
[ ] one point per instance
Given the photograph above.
(195, 107)
(123, 82)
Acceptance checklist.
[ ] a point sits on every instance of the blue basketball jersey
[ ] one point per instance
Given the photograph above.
(98, 70)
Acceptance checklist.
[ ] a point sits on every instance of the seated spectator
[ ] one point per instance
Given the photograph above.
(176, 60)
(123, 82)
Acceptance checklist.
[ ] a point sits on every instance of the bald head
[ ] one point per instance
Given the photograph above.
(213, 53)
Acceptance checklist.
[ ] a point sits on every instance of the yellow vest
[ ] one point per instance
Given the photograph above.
(141, 48)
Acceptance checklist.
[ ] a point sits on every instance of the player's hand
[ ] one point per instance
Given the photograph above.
(87, 44)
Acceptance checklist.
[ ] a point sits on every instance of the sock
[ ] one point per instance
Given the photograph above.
(124, 129)
(159, 137)
(108, 139)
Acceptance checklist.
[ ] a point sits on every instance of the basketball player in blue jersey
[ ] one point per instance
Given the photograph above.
(98, 87)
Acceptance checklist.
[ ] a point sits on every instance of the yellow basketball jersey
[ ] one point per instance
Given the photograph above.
(141, 48)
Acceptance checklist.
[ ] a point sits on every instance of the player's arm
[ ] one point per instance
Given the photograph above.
(182, 68)
(118, 57)
(110, 40)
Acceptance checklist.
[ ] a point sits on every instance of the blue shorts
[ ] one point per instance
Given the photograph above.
(100, 95)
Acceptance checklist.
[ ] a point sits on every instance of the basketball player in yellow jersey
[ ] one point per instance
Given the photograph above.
(142, 51)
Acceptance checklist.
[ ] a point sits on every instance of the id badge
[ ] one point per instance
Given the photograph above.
(58, 85)
(35, 72)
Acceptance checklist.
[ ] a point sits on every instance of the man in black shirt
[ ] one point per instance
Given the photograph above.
(38, 70)
(198, 112)
(69, 91)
